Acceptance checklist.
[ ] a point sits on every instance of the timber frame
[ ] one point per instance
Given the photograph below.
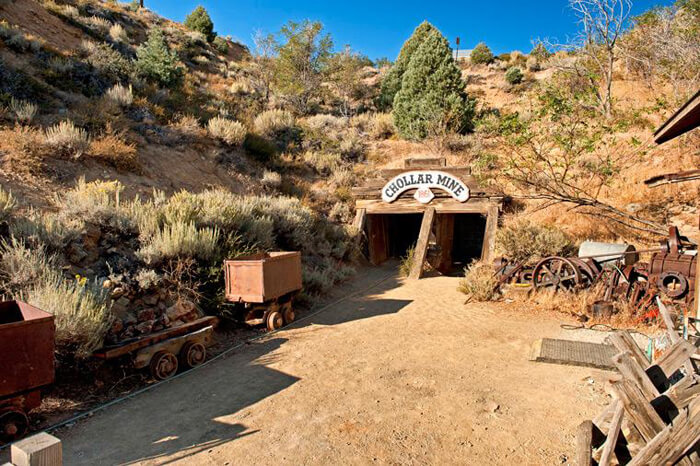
(436, 213)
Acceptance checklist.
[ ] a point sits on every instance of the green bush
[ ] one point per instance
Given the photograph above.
(221, 45)
(540, 52)
(432, 100)
(107, 61)
(481, 55)
(156, 62)
(514, 75)
(200, 21)
(180, 240)
(259, 147)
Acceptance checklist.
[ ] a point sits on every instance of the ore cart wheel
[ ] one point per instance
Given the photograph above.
(193, 354)
(13, 425)
(274, 320)
(163, 365)
(288, 313)
(556, 273)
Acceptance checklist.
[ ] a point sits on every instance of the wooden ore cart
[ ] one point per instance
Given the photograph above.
(263, 286)
(27, 355)
(166, 351)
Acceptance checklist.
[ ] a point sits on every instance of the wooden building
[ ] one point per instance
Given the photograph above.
(441, 210)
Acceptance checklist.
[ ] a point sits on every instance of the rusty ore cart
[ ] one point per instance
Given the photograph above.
(165, 351)
(263, 286)
(27, 364)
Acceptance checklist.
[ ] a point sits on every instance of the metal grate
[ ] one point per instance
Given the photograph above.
(573, 353)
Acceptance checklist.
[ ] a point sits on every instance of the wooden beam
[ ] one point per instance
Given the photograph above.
(360, 220)
(685, 391)
(674, 440)
(411, 206)
(38, 450)
(422, 245)
(584, 444)
(490, 234)
(623, 341)
(642, 414)
(675, 357)
(444, 237)
(459, 172)
(632, 371)
(613, 434)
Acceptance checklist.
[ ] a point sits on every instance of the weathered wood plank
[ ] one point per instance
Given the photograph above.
(623, 341)
(642, 414)
(38, 450)
(377, 239)
(411, 206)
(613, 434)
(632, 371)
(584, 444)
(422, 245)
(426, 162)
(490, 235)
(685, 391)
(459, 172)
(444, 237)
(675, 357)
(674, 440)
(360, 220)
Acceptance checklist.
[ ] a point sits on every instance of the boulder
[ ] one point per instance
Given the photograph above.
(146, 314)
(145, 327)
(180, 309)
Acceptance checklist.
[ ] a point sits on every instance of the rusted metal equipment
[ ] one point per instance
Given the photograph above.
(166, 351)
(27, 355)
(262, 287)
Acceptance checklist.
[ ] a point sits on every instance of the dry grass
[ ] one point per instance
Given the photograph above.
(21, 266)
(118, 33)
(479, 282)
(121, 95)
(188, 127)
(24, 111)
(271, 180)
(66, 139)
(113, 149)
(407, 262)
(180, 240)
(7, 205)
(230, 132)
(23, 150)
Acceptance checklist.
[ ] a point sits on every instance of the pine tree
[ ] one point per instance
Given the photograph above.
(432, 101)
(481, 55)
(156, 62)
(392, 81)
(200, 21)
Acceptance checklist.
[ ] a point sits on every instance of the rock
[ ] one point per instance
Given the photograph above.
(146, 314)
(118, 292)
(145, 327)
(162, 306)
(180, 309)
(117, 326)
(633, 208)
(129, 320)
(151, 299)
(107, 284)
(190, 316)
(76, 253)
(157, 327)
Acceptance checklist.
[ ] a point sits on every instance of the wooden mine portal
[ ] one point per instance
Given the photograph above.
(441, 210)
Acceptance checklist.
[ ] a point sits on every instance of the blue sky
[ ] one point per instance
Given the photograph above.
(378, 29)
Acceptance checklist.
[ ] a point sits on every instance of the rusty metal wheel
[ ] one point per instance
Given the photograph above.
(288, 313)
(163, 365)
(589, 271)
(193, 354)
(13, 425)
(673, 284)
(557, 274)
(274, 320)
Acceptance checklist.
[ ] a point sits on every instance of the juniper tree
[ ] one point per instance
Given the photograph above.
(481, 55)
(156, 62)
(392, 81)
(432, 101)
(200, 21)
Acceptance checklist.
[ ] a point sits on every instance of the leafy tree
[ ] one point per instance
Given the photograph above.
(392, 81)
(432, 101)
(481, 55)
(345, 78)
(301, 63)
(540, 52)
(200, 21)
(381, 62)
(514, 75)
(263, 71)
(156, 62)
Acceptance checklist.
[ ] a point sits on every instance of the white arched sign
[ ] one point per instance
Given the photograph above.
(422, 181)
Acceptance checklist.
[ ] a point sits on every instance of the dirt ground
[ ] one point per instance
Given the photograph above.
(402, 374)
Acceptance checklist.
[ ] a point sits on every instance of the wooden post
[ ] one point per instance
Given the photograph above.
(444, 236)
(377, 241)
(584, 444)
(631, 370)
(623, 341)
(38, 450)
(490, 234)
(422, 245)
(640, 412)
(613, 434)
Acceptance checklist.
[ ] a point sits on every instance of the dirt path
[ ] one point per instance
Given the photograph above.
(404, 374)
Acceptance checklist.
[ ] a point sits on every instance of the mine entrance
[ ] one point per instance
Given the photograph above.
(468, 243)
(391, 235)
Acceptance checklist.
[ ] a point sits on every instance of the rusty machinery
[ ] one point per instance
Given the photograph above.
(670, 273)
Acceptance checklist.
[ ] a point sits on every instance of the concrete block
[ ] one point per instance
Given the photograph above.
(38, 450)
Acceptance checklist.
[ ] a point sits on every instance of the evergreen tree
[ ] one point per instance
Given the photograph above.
(432, 101)
(200, 21)
(481, 55)
(156, 62)
(392, 81)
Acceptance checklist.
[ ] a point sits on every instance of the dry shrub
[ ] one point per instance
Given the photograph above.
(98, 24)
(67, 139)
(121, 95)
(524, 241)
(22, 150)
(7, 205)
(407, 262)
(113, 149)
(382, 126)
(187, 126)
(274, 124)
(231, 132)
(24, 111)
(21, 266)
(80, 308)
(322, 162)
(271, 179)
(180, 240)
(118, 33)
(340, 212)
(479, 282)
